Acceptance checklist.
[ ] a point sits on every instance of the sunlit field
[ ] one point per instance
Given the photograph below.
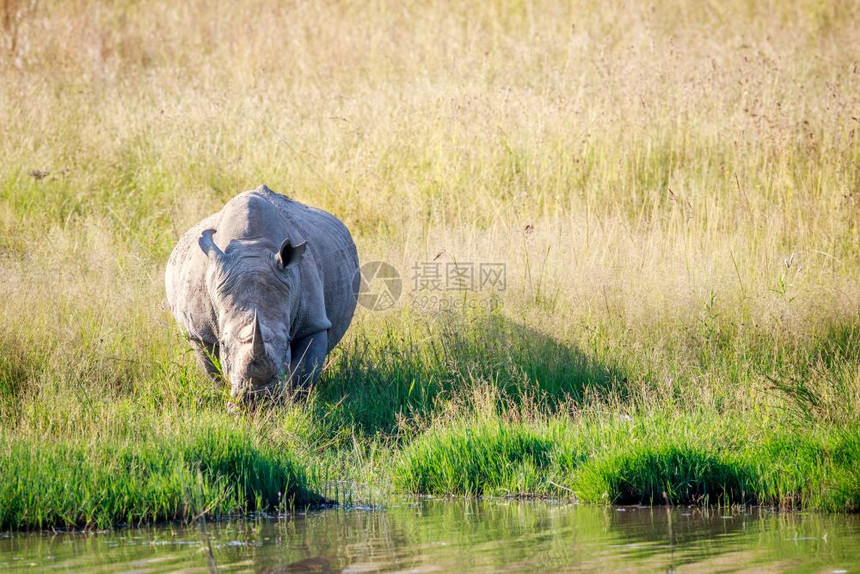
(670, 194)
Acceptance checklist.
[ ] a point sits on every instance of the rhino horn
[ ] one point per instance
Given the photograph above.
(259, 349)
(207, 244)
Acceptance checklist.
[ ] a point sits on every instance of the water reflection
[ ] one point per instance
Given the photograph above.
(461, 535)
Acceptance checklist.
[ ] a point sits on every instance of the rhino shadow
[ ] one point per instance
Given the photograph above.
(376, 380)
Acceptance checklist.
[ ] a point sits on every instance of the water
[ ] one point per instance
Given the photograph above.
(460, 536)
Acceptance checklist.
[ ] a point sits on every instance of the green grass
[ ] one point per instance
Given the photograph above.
(479, 405)
(674, 193)
(213, 467)
(486, 458)
(655, 459)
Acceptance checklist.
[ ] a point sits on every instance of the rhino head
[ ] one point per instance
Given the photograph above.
(255, 290)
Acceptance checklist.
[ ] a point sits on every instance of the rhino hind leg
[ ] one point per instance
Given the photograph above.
(308, 355)
(209, 358)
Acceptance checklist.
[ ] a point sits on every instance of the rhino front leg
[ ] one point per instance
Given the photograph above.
(207, 355)
(307, 356)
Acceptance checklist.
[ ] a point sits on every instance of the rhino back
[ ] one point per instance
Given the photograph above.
(334, 255)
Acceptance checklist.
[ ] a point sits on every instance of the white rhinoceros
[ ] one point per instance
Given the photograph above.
(267, 286)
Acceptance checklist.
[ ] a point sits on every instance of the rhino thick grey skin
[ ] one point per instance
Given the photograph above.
(268, 286)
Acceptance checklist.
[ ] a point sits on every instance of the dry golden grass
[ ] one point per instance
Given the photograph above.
(629, 161)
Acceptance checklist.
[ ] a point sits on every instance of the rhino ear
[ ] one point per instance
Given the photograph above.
(290, 255)
(207, 244)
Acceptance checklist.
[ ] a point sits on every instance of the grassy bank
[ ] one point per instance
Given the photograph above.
(181, 473)
(654, 459)
(673, 192)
